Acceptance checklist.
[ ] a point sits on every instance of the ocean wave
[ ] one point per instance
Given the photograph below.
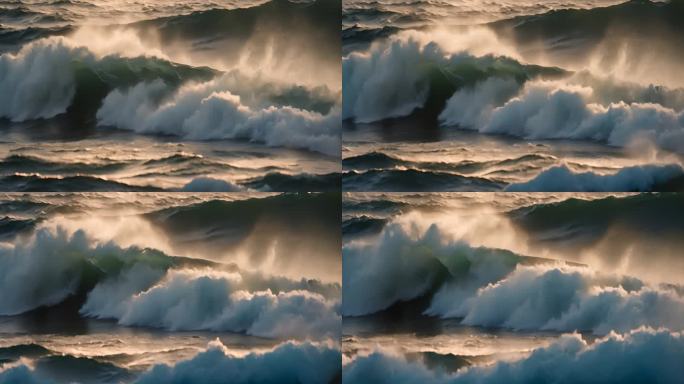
(73, 369)
(403, 75)
(501, 95)
(20, 374)
(357, 37)
(263, 38)
(14, 352)
(383, 206)
(60, 264)
(618, 358)
(239, 217)
(276, 181)
(414, 180)
(400, 268)
(208, 184)
(209, 300)
(261, 230)
(211, 111)
(376, 160)
(24, 15)
(10, 227)
(569, 110)
(28, 164)
(642, 178)
(144, 287)
(362, 225)
(53, 76)
(305, 363)
(498, 288)
(307, 20)
(580, 220)
(633, 39)
(37, 183)
(11, 39)
(24, 208)
(562, 299)
(48, 366)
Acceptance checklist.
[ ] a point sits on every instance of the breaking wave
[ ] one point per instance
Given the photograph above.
(53, 76)
(211, 110)
(401, 76)
(497, 288)
(633, 357)
(144, 287)
(568, 110)
(306, 363)
(642, 178)
(208, 300)
(451, 81)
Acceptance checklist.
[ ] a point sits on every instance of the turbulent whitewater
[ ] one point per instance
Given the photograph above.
(220, 78)
(509, 287)
(142, 288)
(571, 86)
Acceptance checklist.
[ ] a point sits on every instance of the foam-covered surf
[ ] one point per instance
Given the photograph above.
(211, 111)
(571, 80)
(54, 368)
(91, 75)
(494, 288)
(440, 287)
(95, 295)
(615, 358)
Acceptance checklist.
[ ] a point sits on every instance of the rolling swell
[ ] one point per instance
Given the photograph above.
(11, 40)
(37, 183)
(375, 160)
(283, 20)
(297, 232)
(356, 37)
(30, 164)
(413, 180)
(639, 19)
(232, 221)
(362, 225)
(374, 206)
(589, 220)
(281, 182)
(10, 227)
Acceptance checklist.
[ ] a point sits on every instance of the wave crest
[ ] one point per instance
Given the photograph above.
(632, 357)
